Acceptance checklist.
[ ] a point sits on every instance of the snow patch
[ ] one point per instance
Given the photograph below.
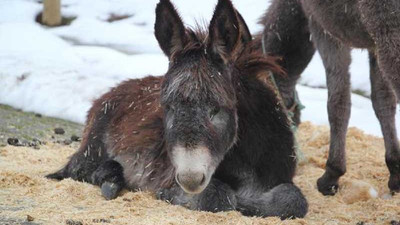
(373, 193)
(60, 71)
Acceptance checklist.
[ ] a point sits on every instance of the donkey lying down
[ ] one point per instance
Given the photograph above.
(211, 135)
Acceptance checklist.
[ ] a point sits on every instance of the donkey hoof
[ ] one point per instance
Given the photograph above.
(110, 190)
(394, 183)
(164, 195)
(327, 186)
(54, 176)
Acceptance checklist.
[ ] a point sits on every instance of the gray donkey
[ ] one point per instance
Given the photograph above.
(294, 27)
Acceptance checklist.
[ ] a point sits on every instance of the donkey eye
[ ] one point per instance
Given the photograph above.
(214, 111)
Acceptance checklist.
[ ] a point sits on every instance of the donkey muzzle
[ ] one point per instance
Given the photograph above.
(191, 182)
(193, 168)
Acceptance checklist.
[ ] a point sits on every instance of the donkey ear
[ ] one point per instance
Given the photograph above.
(224, 33)
(244, 29)
(169, 28)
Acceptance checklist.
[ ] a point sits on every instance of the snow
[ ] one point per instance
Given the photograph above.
(42, 73)
(60, 71)
(18, 11)
(135, 39)
(314, 75)
(362, 113)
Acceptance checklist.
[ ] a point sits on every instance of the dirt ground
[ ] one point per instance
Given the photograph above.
(26, 197)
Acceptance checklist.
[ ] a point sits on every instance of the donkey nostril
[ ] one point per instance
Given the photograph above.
(178, 179)
(203, 180)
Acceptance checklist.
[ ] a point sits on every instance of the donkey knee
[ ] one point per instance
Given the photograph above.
(285, 201)
(290, 201)
(217, 197)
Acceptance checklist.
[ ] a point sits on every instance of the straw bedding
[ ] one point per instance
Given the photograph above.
(27, 197)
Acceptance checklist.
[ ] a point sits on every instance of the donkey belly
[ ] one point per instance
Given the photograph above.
(134, 138)
(340, 19)
(140, 151)
(136, 172)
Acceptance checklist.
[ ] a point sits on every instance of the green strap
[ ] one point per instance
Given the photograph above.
(296, 105)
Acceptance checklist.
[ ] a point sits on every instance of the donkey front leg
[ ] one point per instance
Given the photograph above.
(336, 59)
(216, 197)
(285, 201)
(109, 176)
(384, 103)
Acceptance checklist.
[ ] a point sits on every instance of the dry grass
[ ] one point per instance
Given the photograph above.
(24, 191)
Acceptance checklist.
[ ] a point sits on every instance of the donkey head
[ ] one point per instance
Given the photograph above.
(198, 93)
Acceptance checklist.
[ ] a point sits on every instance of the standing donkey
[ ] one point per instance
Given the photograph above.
(294, 27)
(211, 135)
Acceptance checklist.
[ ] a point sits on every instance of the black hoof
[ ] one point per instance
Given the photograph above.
(394, 183)
(163, 195)
(56, 176)
(327, 186)
(110, 190)
(172, 195)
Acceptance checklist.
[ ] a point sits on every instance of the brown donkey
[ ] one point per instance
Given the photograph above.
(294, 27)
(210, 135)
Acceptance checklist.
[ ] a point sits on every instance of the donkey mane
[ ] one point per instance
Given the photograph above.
(250, 55)
(253, 62)
(248, 61)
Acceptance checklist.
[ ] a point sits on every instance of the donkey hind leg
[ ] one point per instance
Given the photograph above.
(83, 163)
(90, 155)
(78, 168)
(384, 103)
(106, 174)
(284, 200)
(216, 197)
(382, 21)
(336, 59)
(109, 176)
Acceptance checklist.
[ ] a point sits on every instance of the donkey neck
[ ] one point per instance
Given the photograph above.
(260, 114)
(264, 138)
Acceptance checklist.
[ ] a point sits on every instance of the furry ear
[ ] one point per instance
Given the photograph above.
(244, 29)
(169, 28)
(224, 30)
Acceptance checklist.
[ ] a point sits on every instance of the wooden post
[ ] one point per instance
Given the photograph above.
(51, 15)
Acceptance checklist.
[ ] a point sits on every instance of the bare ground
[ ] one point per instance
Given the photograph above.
(26, 197)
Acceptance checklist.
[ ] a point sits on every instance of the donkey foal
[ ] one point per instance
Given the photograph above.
(211, 135)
